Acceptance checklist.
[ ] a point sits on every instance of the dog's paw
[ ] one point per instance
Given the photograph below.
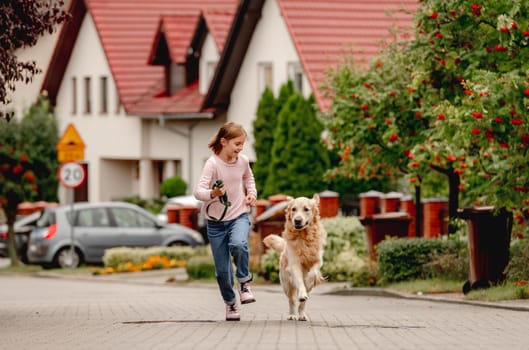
(292, 318)
(303, 317)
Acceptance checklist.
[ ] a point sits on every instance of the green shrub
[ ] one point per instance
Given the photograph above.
(344, 232)
(115, 257)
(343, 266)
(201, 268)
(518, 267)
(419, 258)
(270, 266)
(366, 276)
(172, 187)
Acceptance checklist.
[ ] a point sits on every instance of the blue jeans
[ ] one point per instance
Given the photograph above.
(230, 239)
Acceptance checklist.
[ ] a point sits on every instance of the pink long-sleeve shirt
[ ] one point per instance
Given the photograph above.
(238, 181)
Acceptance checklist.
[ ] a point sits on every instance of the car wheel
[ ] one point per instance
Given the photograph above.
(66, 258)
(178, 244)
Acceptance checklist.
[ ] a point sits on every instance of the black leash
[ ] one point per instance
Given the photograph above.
(222, 199)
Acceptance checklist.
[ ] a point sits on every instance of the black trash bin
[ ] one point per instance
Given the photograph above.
(489, 238)
(380, 226)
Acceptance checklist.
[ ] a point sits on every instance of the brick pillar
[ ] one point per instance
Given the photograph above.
(435, 214)
(370, 203)
(408, 205)
(188, 216)
(390, 202)
(173, 214)
(329, 204)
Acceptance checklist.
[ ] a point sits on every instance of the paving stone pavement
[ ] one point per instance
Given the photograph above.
(39, 312)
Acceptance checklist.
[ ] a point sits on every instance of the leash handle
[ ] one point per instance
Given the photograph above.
(222, 199)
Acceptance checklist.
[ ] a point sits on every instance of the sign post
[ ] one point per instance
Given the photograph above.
(70, 150)
(71, 175)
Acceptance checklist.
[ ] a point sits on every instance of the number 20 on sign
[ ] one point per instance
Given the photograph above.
(71, 174)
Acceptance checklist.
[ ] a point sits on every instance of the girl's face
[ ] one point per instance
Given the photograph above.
(232, 147)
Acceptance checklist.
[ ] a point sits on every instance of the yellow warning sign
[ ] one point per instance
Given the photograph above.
(70, 147)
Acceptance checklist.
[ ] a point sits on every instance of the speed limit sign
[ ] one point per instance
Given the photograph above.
(71, 174)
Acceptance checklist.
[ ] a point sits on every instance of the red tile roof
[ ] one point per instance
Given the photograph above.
(219, 24)
(127, 28)
(323, 30)
(178, 31)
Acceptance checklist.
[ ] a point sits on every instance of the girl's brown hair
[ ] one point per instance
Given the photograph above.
(228, 131)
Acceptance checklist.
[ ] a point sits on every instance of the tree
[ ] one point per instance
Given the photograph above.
(41, 146)
(28, 162)
(263, 128)
(298, 158)
(375, 119)
(22, 22)
(17, 179)
(472, 57)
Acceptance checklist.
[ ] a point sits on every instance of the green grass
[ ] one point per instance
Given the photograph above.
(430, 286)
(507, 291)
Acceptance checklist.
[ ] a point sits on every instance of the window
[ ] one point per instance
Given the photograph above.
(74, 95)
(103, 108)
(129, 218)
(295, 73)
(96, 217)
(87, 96)
(266, 77)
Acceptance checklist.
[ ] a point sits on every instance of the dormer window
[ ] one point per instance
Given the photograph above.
(176, 77)
(171, 49)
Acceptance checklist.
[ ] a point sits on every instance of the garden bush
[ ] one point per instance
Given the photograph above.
(115, 257)
(419, 258)
(173, 187)
(518, 267)
(201, 268)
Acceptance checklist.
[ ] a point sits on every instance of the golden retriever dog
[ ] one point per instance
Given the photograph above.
(301, 252)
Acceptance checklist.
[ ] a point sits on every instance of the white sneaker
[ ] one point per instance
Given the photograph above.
(246, 294)
(232, 312)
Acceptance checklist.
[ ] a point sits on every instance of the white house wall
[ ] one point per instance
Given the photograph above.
(109, 136)
(210, 53)
(271, 43)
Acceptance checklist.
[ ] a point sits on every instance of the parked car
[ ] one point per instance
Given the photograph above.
(97, 227)
(23, 227)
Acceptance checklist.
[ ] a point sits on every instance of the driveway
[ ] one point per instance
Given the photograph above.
(63, 313)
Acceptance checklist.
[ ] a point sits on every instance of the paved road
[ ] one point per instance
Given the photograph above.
(52, 313)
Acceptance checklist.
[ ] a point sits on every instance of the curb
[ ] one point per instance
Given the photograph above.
(514, 305)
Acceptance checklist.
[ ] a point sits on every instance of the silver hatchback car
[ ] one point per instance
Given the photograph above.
(96, 227)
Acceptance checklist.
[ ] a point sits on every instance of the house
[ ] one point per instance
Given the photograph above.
(148, 83)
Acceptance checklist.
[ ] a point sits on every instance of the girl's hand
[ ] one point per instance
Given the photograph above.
(217, 192)
(250, 200)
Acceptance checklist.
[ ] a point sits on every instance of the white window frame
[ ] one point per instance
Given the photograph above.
(265, 76)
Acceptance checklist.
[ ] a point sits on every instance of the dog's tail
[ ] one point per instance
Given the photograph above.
(275, 242)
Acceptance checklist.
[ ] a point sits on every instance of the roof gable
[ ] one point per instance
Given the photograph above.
(322, 31)
(126, 29)
(173, 36)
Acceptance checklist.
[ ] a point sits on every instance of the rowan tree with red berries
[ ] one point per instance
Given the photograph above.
(465, 77)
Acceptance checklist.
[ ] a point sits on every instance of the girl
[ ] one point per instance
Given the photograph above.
(226, 207)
